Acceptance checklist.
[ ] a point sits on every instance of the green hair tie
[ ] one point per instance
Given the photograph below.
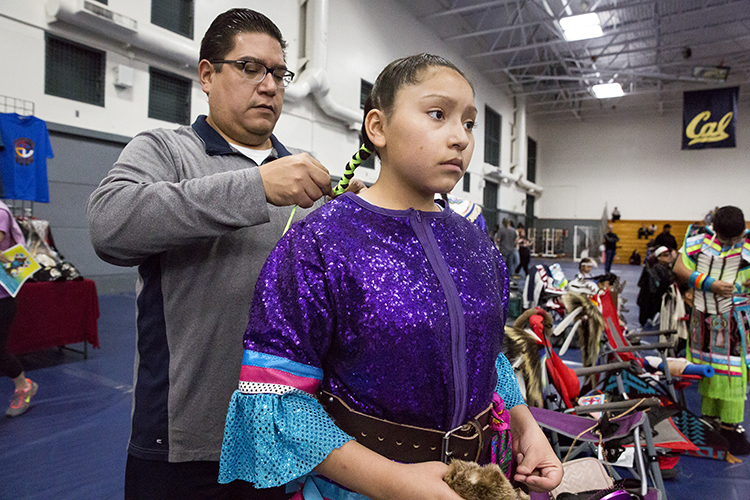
(356, 160)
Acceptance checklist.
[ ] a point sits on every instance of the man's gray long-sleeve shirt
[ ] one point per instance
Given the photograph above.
(191, 213)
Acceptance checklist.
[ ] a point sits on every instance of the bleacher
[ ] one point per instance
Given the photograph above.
(627, 231)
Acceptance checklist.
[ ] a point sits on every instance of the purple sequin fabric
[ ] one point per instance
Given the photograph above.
(403, 310)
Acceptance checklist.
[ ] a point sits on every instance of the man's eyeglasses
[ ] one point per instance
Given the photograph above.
(255, 72)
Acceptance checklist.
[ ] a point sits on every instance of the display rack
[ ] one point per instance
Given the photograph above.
(8, 104)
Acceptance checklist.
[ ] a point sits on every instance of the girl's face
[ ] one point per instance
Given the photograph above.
(425, 144)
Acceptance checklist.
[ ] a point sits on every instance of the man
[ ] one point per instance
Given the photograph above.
(610, 247)
(715, 262)
(506, 243)
(655, 280)
(666, 239)
(198, 209)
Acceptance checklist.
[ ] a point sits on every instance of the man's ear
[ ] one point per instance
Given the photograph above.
(375, 125)
(206, 75)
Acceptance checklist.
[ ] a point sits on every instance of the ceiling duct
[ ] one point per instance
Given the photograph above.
(114, 26)
(313, 80)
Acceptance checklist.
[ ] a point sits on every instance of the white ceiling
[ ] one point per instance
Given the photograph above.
(650, 47)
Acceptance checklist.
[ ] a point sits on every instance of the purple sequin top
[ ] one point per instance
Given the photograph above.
(403, 310)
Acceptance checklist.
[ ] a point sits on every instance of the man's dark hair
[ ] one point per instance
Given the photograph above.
(729, 222)
(667, 226)
(219, 39)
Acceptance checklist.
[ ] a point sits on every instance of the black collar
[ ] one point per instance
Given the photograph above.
(217, 145)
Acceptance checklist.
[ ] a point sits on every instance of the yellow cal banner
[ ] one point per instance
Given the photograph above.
(709, 118)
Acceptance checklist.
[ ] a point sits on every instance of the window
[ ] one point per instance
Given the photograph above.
(489, 207)
(74, 71)
(491, 136)
(467, 182)
(169, 97)
(531, 176)
(365, 88)
(174, 15)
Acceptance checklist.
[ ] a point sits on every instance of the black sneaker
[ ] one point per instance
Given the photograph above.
(738, 444)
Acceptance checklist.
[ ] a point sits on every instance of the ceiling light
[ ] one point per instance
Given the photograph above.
(607, 90)
(712, 72)
(581, 27)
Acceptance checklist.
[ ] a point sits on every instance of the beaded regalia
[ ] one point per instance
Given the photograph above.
(719, 325)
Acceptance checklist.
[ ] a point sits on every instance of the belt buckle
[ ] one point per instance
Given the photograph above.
(445, 453)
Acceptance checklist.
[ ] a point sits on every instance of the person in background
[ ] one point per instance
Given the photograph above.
(643, 231)
(615, 215)
(715, 262)
(506, 242)
(515, 258)
(583, 282)
(10, 366)
(524, 250)
(198, 209)
(655, 280)
(666, 239)
(388, 268)
(610, 247)
(495, 232)
(635, 258)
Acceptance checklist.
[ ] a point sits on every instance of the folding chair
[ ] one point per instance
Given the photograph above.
(618, 425)
(619, 347)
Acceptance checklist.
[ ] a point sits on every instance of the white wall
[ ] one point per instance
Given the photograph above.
(363, 36)
(635, 162)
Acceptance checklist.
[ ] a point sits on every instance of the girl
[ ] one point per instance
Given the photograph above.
(25, 389)
(391, 312)
(524, 252)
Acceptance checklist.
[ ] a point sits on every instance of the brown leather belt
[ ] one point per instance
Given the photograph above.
(410, 444)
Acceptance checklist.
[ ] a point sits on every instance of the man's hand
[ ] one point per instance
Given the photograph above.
(722, 288)
(356, 186)
(295, 180)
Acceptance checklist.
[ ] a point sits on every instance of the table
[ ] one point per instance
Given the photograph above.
(54, 314)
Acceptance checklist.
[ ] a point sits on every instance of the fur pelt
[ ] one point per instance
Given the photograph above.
(475, 482)
(520, 344)
(592, 326)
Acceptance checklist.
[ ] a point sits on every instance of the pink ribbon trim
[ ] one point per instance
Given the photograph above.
(278, 377)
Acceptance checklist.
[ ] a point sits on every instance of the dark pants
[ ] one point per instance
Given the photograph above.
(156, 480)
(9, 364)
(525, 257)
(610, 256)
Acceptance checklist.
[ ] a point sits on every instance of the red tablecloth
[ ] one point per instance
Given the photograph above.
(52, 314)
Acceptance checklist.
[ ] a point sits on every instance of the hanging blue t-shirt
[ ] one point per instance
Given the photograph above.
(2, 147)
(23, 161)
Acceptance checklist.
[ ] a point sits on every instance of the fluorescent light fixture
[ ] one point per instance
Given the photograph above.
(607, 90)
(711, 72)
(581, 27)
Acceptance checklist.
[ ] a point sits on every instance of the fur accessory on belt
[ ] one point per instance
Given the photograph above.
(475, 482)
